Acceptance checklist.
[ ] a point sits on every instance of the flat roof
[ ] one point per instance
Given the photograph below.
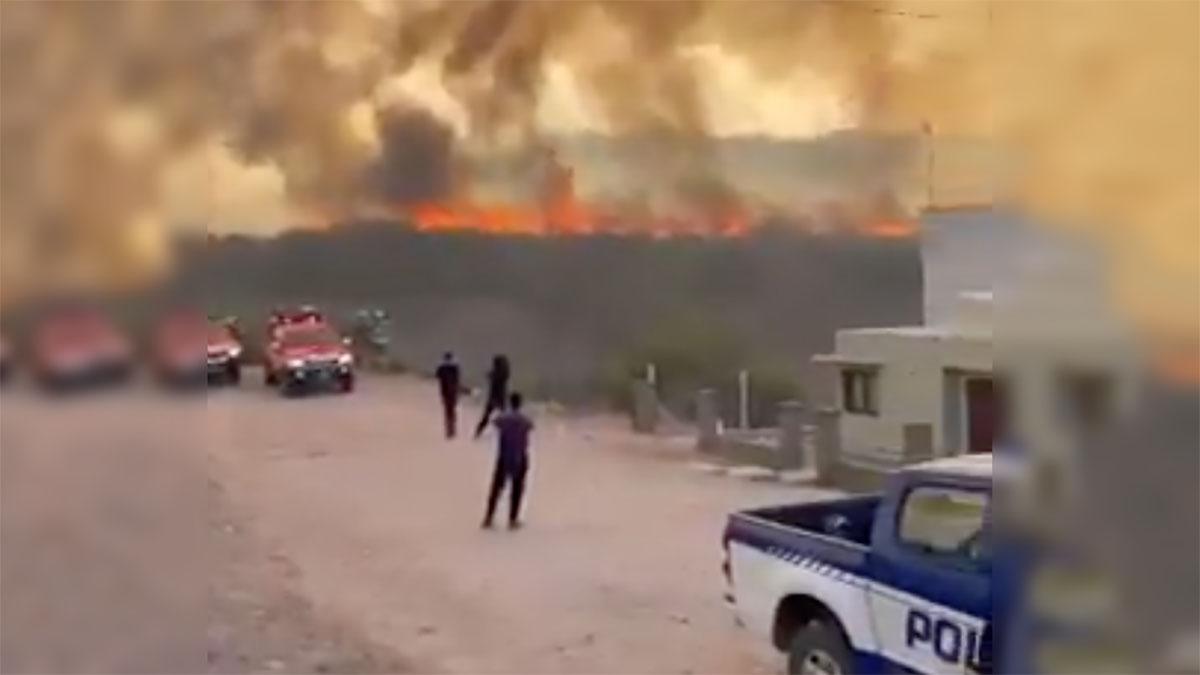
(923, 331)
(970, 465)
(845, 360)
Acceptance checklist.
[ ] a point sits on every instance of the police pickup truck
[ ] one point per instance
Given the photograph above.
(897, 582)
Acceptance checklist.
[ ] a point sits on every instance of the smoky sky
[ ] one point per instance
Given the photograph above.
(101, 102)
(416, 156)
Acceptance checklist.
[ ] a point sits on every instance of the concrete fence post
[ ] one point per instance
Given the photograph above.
(708, 438)
(744, 399)
(645, 407)
(828, 445)
(791, 435)
(918, 443)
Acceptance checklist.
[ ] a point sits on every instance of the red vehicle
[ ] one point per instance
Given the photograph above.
(79, 346)
(6, 360)
(188, 348)
(307, 355)
(224, 353)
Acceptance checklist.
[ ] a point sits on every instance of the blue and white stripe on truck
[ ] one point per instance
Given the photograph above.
(888, 629)
(764, 572)
(898, 608)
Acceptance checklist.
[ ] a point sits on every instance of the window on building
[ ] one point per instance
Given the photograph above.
(946, 522)
(858, 391)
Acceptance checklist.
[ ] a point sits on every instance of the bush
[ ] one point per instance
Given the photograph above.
(770, 385)
(690, 353)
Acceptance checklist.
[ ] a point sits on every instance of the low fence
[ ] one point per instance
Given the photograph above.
(802, 439)
(787, 446)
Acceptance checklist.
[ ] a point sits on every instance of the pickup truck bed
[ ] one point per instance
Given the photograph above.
(836, 531)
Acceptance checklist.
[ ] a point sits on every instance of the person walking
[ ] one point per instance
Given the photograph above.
(512, 462)
(449, 378)
(497, 391)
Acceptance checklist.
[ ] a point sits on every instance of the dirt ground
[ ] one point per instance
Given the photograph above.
(241, 532)
(257, 619)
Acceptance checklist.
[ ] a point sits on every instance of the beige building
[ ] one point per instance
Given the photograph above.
(888, 378)
(939, 373)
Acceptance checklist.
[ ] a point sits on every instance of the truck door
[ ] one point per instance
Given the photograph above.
(931, 590)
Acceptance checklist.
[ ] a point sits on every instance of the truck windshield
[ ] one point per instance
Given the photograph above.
(219, 333)
(309, 337)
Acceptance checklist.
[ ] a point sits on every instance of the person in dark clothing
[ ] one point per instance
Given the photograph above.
(497, 391)
(449, 379)
(512, 461)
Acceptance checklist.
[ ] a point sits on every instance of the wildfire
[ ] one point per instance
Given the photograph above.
(560, 212)
(891, 229)
(1179, 366)
(569, 218)
(575, 218)
(493, 219)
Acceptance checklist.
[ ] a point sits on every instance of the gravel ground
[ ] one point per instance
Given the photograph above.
(242, 532)
(118, 555)
(258, 622)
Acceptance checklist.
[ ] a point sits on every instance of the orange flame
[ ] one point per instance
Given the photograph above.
(560, 212)
(565, 216)
(493, 219)
(1179, 365)
(891, 229)
(565, 219)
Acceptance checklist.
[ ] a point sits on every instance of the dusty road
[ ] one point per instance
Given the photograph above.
(340, 533)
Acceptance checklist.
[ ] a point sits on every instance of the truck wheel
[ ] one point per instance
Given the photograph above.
(346, 384)
(818, 648)
(235, 374)
(269, 378)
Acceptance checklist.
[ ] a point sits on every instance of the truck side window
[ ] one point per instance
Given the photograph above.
(946, 521)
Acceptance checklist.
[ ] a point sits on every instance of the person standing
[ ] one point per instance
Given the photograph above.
(497, 391)
(449, 378)
(512, 462)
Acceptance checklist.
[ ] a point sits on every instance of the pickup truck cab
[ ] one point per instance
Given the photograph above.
(79, 346)
(176, 350)
(224, 358)
(308, 355)
(6, 360)
(188, 348)
(895, 582)
(282, 319)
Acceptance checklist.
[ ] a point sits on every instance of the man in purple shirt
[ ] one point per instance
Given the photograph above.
(512, 461)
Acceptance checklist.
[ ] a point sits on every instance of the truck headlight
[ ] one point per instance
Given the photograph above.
(235, 352)
(345, 360)
(295, 364)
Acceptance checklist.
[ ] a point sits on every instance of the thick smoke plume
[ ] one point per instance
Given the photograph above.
(355, 107)
(123, 120)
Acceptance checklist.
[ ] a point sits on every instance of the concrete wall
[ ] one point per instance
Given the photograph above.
(786, 447)
(916, 367)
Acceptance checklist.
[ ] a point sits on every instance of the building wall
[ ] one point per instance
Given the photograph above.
(911, 385)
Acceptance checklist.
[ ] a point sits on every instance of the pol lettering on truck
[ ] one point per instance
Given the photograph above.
(952, 643)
